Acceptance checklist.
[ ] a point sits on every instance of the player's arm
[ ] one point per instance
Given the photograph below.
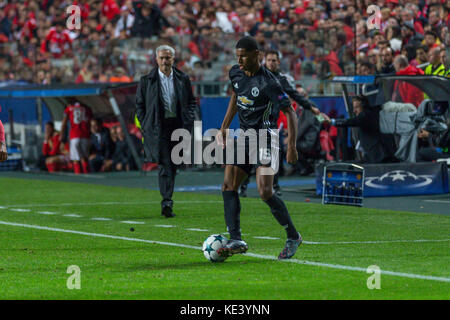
(3, 151)
(291, 118)
(296, 96)
(359, 121)
(231, 112)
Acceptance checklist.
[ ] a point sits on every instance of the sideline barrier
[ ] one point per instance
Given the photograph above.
(399, 179)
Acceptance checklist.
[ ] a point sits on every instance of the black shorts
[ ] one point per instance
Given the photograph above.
(250, 151)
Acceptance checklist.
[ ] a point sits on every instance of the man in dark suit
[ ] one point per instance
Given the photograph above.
(102, 147)
(164, 103)
(377, 147)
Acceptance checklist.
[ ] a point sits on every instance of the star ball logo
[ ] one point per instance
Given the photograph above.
(398, 178)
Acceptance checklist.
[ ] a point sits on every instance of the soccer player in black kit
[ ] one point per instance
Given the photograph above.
(273, 65)
(257, 97)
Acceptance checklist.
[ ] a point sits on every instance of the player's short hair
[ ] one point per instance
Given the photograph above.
(165, 47)
(274, 52)
(363, 99)
(422, 47)
(402, 61)
(248, 43)
(98, 120)
(50, 123)
(431, 33)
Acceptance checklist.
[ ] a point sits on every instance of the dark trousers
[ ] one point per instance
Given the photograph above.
(166, 168)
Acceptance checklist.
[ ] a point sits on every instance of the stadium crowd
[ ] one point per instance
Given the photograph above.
(317, 38)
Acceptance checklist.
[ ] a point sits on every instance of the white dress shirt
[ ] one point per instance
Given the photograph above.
(168, 95)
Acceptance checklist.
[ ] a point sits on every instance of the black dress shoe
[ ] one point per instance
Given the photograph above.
(167, 212)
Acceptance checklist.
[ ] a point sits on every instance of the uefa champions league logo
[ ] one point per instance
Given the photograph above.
(398, 178)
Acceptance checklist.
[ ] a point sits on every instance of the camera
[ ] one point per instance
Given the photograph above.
(436, 108)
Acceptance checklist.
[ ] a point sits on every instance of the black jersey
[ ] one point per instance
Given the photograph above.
(259, 98)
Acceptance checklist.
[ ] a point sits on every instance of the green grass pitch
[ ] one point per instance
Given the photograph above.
(45, 227)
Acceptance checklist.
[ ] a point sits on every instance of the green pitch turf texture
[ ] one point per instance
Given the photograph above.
(45, 227)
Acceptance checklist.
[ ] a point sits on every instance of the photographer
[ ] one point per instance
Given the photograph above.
(377, 147)
(438, 145)
(433, 135)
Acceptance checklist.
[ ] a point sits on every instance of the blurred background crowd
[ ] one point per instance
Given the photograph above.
(316, 38)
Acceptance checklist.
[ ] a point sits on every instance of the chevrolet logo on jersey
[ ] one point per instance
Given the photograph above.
(245, 102)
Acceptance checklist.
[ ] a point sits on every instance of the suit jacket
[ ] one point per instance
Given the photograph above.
(377, 146)
(291, 92)
(308, 131)
(150, 109)
(105, 148)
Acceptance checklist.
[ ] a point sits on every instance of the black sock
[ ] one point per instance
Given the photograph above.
(280, 212)
(232, 207)
(275, 179)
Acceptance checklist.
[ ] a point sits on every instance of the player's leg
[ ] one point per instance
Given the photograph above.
(166, 178)
(276, 185)
(233, 177)
(51, 163)
(243, 187)
(264, 182)
(84, 154)
(75, 155)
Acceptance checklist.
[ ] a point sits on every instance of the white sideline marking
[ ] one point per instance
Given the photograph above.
(195, 229)
(2, 207)
(84, 175)
(439, 201)
(97, 235)
(256, 237)
(132, 222)
(267, 238)
(102, 203)
(267, 257)
(376, 241)
(350, 268)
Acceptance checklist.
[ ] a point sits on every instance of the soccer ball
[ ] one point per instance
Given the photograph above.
(211, 245)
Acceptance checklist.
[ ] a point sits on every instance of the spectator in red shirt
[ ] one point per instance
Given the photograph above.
(55, 155)
(57, 41)
(403, 91)
(407, 15)
(51, 140)
(110, 9)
